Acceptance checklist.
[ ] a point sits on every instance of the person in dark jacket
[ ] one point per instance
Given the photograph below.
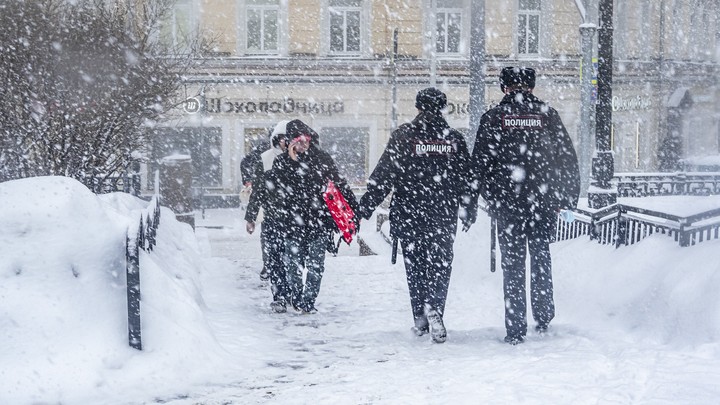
(426, 164)
(271, 240)
(300, 176)
(528, 171)
(249, 163)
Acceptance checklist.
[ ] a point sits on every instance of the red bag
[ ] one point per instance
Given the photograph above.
(340, 211)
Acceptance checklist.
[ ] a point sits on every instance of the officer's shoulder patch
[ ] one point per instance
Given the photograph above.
(525, 121)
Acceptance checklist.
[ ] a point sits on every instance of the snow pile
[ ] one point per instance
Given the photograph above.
(63, 317)
(638, 324)
(655, 290)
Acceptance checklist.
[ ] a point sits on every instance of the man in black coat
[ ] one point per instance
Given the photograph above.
(528, 171)
(249, 164)
(426, 166)
(271, 238)
(300, 176)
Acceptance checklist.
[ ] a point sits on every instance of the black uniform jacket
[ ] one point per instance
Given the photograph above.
(262, 195)
(525, 161)
(298, 187)
(427, 166)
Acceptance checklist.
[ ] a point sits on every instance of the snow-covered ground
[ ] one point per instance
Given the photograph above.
(635, 325)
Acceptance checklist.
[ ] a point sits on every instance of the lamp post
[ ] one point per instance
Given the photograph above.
(477, 66)
(601, 192)
(587, 34)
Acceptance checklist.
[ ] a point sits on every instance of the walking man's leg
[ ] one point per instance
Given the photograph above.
(274, 248)
(315, 263)
(293, 262)
(417, 288)
(441, 257)
(541, 283)
(513, 248)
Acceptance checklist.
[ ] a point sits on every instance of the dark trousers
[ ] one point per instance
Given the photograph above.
(428, 264)
(516, 238)
(273, 246)
(298, 254)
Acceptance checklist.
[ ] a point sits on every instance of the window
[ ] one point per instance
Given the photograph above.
(528, 27)
(348, 148)
(448, 18)
(203, 145)
(262, 26)
(345, 23)
(256, 139)
(179, 25)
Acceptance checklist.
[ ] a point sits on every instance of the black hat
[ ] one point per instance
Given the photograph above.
(430, 99)
(515, 76)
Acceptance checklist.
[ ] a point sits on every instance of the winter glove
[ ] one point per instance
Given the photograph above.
(356, 221)
(468, 216)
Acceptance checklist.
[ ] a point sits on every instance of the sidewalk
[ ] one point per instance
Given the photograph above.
(363, 320)
(358, 349)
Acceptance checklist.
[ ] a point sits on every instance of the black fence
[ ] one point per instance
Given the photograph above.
(658, 184)
(142, 236)
(621, 224)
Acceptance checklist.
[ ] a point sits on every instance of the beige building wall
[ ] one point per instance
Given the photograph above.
(305, 21)
(219, 19)
(565, 29)
(499, 27)
(403, 15)
(362, 83)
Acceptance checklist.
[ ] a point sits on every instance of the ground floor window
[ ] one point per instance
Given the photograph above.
(203, 145)
(256, 139)
(348, 147)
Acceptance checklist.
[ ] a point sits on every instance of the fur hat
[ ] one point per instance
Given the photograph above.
(516, 76)
(430, 99)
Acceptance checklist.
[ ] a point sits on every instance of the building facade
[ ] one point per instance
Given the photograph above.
(333, 64)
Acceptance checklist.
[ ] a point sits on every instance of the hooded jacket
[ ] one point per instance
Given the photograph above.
(525, 160)
(426, 164)
(299, 185)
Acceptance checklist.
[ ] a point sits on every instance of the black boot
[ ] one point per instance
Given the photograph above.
(437, 328)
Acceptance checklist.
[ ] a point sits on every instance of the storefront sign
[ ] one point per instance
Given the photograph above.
(457, 109)
(286, 106)
(627, 104)
(192, 105)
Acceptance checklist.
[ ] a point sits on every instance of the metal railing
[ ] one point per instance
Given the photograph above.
(657, 184)
(621, 224)
(141, 235)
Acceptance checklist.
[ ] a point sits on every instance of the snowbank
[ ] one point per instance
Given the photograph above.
(63, 317)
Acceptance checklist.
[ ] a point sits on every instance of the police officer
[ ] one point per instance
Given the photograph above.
(425, 164)
(528, 171)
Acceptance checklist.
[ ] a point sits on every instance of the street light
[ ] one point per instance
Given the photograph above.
(601, 192)
(477, 66)
(587, 34)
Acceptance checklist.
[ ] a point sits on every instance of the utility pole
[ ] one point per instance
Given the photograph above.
(601, 192)
(433, 42)
(394, 79)
(587, 34)
(477, 67)
(201, 175)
